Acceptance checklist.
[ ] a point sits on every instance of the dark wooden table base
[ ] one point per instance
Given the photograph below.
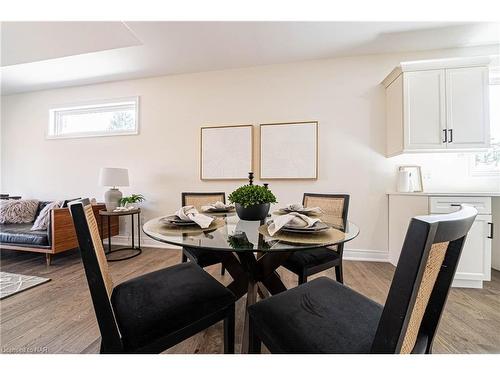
(253, 275)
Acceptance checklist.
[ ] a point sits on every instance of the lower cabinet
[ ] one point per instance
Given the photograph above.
(475, 261)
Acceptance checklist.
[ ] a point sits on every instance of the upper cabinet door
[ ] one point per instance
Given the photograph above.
(424, 110)
(467, 107)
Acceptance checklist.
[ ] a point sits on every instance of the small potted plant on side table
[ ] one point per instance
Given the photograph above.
(252, 202)
(131, 202)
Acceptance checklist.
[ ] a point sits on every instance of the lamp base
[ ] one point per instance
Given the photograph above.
(112, 199)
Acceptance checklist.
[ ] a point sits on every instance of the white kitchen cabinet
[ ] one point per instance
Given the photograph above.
(474, 266)
(402, 208)
(467, 107)
(437, 106)
(424, 109)
(475, 261)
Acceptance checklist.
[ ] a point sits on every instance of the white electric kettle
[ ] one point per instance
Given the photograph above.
(405, 183)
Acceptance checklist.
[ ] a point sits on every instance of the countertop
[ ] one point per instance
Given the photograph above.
(451, 194)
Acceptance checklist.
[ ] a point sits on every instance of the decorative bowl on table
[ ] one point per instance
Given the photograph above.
(253, 213)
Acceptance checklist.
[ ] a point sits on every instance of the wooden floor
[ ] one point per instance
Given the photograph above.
(57, 317)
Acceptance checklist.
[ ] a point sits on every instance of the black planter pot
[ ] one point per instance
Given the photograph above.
(253, 213)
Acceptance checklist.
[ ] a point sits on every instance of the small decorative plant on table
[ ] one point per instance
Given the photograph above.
(252, 202)
(131, 201)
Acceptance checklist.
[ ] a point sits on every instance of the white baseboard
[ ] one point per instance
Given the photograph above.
(349, 254)
(125, 240)
(476, 284)
(366, 255)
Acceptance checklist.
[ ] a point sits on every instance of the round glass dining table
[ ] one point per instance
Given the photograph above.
(247, 250)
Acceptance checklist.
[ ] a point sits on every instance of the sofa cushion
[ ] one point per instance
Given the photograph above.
(22, 235)
(18, 211)
(43, 219)
(41, 206)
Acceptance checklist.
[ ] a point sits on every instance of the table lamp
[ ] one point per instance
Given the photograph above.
(113, 177)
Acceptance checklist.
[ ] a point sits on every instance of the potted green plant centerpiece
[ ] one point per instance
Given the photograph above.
(252, 202)
(131, 202)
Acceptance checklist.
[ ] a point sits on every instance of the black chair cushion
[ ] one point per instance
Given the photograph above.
(22, 235)
(161, 302)
(299, 260)
(203, 258)
(321, 316)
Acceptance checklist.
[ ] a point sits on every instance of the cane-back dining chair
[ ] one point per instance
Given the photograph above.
(323, 316)
(310, 262)
(152, 312)
(201, 257)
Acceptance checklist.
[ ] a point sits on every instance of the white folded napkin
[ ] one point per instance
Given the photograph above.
(293, 218)
(191, 213)
(300, 208)
(217, 206)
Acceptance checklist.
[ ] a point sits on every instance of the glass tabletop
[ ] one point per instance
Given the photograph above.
(230, 233)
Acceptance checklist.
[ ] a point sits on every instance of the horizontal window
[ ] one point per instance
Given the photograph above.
(98, 118)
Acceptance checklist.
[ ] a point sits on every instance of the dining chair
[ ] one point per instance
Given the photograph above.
(201, 257)
(152, 312)
(323, 316)
(310, 262)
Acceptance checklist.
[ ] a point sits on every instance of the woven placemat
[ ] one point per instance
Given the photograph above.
(192, 229)
(330, 236)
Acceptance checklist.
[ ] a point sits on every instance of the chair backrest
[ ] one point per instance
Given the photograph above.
(97, 273)
(333, 205)
(422, 281)
(202, 199)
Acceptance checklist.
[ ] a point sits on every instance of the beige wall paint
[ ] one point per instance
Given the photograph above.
(343, 94)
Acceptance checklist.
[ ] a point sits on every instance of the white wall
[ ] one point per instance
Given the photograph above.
(343, 94)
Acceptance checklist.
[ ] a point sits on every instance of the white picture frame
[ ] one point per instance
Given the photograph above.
(226, 152)
(289, 151)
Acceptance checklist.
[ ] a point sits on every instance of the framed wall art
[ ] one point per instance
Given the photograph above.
(226, 152)
(289, 150)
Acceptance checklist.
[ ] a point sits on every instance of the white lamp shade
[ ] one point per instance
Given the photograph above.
(113, 177)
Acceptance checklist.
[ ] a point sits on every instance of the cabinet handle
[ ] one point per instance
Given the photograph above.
(491, 230)
(451, 136)
(445, 136)
(455, 205)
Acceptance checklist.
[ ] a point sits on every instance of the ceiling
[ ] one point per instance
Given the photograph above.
(43, 55)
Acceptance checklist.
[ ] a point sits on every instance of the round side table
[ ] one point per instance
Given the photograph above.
(135, 249)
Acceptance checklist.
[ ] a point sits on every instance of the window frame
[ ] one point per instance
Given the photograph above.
(494, 80)
(85, 105)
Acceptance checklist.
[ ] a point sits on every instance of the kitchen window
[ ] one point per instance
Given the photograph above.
(488, 163)
(96, 118)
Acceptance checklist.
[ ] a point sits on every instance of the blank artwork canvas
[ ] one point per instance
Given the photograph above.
(226, 152)
(288, 151)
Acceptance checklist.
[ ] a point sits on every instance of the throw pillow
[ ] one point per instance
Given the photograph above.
(43, 218)
(18, 211)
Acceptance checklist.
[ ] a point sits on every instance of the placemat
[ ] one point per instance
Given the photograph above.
(329, 236)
